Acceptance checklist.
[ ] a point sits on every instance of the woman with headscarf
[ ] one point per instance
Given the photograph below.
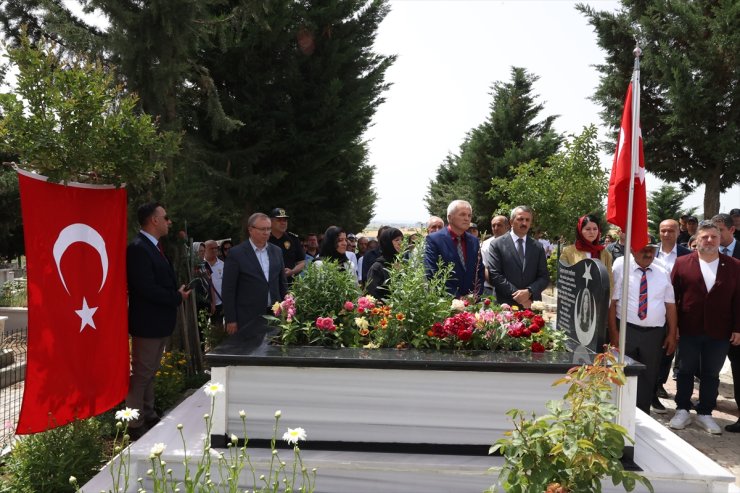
(378, 275)
(334, 247)
(587, 245)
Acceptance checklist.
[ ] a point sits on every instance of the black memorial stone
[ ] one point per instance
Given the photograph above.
(583, 302)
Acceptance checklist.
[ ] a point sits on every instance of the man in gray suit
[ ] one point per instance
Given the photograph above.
(518, 264)
(254, 276)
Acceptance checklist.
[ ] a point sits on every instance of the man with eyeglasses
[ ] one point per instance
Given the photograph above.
(153, 299)
(254, 276)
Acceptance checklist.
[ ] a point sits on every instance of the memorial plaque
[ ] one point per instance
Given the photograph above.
(583, 302)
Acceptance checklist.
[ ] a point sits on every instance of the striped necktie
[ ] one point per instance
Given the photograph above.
(460, 251)
(643, 300)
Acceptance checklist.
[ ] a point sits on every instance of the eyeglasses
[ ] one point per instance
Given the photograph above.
(165, 217)
(262, 230)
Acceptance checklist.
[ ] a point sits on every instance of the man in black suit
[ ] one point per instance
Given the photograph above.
(518, 265)
(728, 245)
(153, 299)
(254, 276)
(668, 251)
(454, 245)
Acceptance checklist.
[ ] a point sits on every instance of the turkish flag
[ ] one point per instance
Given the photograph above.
(619, 182)
(78, 352)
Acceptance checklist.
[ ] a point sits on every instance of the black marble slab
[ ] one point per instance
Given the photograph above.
(253, 346)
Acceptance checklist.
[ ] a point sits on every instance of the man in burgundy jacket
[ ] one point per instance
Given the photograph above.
(707, 288)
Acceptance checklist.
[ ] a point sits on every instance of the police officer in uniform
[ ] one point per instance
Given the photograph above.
(294, 257)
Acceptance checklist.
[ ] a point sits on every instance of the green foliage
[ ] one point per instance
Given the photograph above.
(11, 224)
(576, 444)
(14, 293)
(320, 292)
(422, 302)
(690, 107)
(169, 382)
(666, 203)
(509, 136)
(43, 462)
(68, 120)
(571, 184)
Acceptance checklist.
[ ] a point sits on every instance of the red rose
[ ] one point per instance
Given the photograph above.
(360, 310)
(511, 333)
(537, 347)
(526, 333)
(487, 302)
(533, 329)
(528, 313)
(465, 335)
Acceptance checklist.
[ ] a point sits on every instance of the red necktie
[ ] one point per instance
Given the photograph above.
(161, 249)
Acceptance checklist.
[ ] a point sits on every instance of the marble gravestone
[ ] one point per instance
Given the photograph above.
(583, 303)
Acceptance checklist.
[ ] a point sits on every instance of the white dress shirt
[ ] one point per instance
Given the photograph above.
(659, 288)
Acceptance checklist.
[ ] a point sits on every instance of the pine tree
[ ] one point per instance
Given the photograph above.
(666, 203)
(510, 135)
(690, 104)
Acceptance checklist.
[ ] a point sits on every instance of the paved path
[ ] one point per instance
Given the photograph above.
(723, 449)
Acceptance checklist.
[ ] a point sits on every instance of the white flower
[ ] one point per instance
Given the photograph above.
(278, 413)
(361, 322)
(213, 388)
(242, 414)
(72, 480)
(234, 438)
(538, 306)
(127, 414)
(157, 449)
(458, 305)
(294, 434)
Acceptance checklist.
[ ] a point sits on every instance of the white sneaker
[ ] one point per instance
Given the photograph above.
(707, 423)
(680, 419)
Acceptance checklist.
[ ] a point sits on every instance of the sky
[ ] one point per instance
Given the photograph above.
(450, 53)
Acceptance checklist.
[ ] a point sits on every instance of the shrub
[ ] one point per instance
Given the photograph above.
(14, 293)
(169, 382)
(322, 291)
(42, 463)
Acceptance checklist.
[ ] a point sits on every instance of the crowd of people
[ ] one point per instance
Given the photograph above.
(684, 292)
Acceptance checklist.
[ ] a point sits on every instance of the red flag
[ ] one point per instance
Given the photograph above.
(78, 353)
(619, 183)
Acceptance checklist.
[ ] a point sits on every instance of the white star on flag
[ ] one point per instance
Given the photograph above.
(86, 315)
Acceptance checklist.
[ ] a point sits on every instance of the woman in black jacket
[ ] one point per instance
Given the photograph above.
(378, 275)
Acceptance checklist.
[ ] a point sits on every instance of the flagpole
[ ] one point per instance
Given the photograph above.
(634, 164)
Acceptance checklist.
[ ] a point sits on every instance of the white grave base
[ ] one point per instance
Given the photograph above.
(670, 463)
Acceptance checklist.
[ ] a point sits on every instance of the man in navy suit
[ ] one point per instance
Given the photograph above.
(254, 276)
(728, 245)
(454, 245)
(668, 251)
(518, 265)
(153, 299)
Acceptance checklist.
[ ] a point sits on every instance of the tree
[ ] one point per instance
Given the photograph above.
(571, 184)
(690, 104)
(446, 186)
(272, 98)
(68, 120)
(510, 135)
(666, 203)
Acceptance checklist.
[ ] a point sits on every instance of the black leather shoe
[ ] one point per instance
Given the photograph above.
(661, 392)
(734, 427)
(657, 406)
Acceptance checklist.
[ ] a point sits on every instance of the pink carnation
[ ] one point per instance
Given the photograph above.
(349, 306)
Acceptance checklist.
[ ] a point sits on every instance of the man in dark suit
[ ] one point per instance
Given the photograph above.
(668, 251)
(254, 276)
(518, 266)
(454, 245)
(707, 289)
(728, 245)
(153, 298)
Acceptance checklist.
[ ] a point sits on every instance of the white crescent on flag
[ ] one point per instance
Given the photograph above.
(80, 233)
(83, 233)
